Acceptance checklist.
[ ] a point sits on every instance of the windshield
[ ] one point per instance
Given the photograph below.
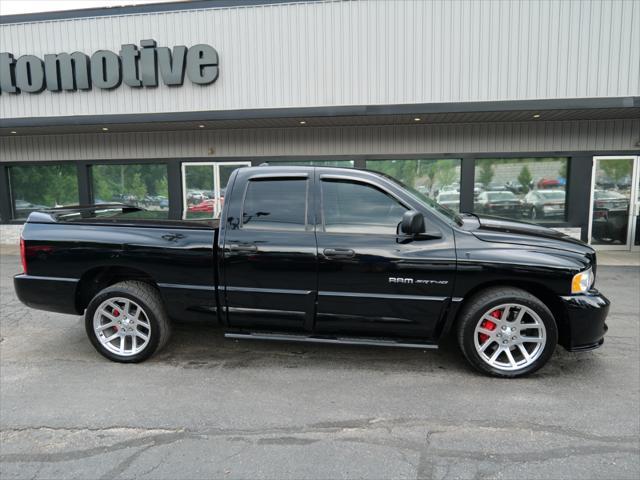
(604, 194)
(448, 197)
(428, 202)
(493, 196)
(552, 195)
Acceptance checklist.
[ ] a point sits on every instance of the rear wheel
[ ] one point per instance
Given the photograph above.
(507, 332)
(127, 322)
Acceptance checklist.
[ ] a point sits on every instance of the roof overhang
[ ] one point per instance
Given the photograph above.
(404, 114)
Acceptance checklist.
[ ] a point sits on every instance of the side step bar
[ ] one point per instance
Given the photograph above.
(338, 340)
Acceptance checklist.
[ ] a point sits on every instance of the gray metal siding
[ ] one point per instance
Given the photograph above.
(360, 52)
(600, 135)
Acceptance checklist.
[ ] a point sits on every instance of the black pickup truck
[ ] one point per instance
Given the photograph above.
(321, 255)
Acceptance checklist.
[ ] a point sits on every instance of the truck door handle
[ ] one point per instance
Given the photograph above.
(339, 252)
(243, 247)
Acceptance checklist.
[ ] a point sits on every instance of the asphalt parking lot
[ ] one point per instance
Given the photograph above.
(207, 407)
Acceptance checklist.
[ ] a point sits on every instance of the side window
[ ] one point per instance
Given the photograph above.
(275, 204)
(352, 207)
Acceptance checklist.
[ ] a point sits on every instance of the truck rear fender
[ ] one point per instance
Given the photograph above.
(100, 278)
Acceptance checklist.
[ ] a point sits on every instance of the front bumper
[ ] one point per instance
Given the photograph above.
(584, 326)
(53, 294)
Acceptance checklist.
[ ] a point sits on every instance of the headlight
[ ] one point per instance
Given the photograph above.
(582, 281)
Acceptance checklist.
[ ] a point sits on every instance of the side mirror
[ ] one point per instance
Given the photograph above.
(412, 223)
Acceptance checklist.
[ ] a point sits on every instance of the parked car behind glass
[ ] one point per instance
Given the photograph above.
(545, 204)
(610, 216)
(501, 203)
(449, 200)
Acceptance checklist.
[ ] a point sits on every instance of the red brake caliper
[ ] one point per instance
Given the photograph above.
(489, 325)
(116, 313)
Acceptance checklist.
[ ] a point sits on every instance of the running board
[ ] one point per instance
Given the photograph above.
(338, 340)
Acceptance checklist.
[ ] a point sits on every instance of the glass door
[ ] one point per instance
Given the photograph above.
(635, 219)
(203, 187)
(614, 203)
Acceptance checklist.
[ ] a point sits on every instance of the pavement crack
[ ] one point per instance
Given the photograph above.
(150, 441)
(126, 463)
(535, 455)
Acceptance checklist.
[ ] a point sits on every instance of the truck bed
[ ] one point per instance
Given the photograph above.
(76, 251)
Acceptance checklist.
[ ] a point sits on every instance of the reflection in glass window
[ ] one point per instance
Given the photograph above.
(199, 191)
(611, 201)
(531, 189)
(315, 163)
(203, 197)
(438, 179)
(275, 204)
(35, 187)
(352, 207)
(140, 185)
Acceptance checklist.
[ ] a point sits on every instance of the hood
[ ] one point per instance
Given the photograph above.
(494, 229)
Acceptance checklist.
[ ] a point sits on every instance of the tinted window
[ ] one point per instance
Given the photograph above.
(42, 186)
(352, 207)
(141, 185)
(526, 180)
(275, 204)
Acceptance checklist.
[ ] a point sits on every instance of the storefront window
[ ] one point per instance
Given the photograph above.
(438, 179)
(531, 189)
(36, 187)
(316, 163)
(141, 185)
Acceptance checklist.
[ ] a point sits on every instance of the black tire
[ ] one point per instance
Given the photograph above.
(148, 298)
(481, 303)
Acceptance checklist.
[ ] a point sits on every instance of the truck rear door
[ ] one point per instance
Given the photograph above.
(269, 251)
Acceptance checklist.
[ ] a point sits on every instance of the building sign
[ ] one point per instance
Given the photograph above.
(136, 67)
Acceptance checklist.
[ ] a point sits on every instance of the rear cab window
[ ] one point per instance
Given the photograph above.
(276, 204)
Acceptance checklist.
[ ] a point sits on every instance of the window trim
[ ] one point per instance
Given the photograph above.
(354, 179)
(265, 177)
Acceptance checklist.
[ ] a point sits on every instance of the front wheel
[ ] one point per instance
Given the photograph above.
(507, 332)
(127, 322)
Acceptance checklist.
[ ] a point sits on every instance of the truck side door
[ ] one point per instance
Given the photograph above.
(370, 283)
(269, 269)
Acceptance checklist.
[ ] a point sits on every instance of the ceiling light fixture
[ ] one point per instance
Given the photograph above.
(417, 119)
(536, 115)
(105, 129)
(201, 126)
(13, 132)
(303, 122)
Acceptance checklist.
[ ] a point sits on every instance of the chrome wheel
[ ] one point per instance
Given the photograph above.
(510, 337)
(122, 326)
